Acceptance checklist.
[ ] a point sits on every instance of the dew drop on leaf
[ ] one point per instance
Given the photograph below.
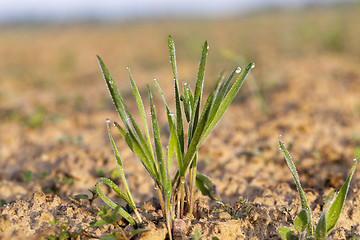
(238, 70)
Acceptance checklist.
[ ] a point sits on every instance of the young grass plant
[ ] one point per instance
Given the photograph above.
(175, 192)
(303, 222)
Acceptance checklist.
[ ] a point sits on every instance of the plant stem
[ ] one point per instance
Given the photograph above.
(121, 231)
(192, 184)
(182, 196)
(137, 215)
(162, 204)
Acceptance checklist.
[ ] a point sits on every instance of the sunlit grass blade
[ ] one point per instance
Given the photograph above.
(320, 230)
(337, 205)
(179, 120)
(225, 103)
(168, 113)
(194, 144)
(207, 187)
(112, 204)
(157, 141)
(198, 91)
(129, 199)
(136, 148)
(141, 108)
(114, 92)
(186, 103)
(286, 233)
(303, 200)
(301, 221)
(171, 46)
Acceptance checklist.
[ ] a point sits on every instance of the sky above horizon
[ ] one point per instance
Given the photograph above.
(64, 10)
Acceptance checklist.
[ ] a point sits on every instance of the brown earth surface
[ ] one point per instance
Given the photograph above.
(53, 106)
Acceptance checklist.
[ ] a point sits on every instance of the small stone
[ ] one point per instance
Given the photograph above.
(179, 229)
(224, 216)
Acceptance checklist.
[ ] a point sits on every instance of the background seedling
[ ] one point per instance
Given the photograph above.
(303, 222)
(241, 209)
(112, 217)
(174, 191)
(63, 232)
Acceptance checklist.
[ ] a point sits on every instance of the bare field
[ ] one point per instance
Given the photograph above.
(305, 86)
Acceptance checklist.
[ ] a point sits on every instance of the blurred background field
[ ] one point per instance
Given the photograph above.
(57, 62)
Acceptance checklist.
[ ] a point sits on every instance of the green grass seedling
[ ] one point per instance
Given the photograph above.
(303, 222)
(199, 116)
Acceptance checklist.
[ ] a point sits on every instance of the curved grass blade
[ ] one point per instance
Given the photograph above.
(141, 108)
(122, 175)
(287, 233)
(179, 120)
(301, 221)
(114, 92)
(129, 199)
(320, 230)
(198, 92)
(225, 103)
(194, 144)
(136, 148)
(112, 204)
(303, 200)
(337, 205)
(168, 113)
(207, 187)
(157, 141)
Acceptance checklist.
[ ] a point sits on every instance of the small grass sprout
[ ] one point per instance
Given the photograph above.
(303, 222)
(112, 217)
(191, 112)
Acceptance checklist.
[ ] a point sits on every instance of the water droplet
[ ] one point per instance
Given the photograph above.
(253, 65)
(208, 47)
(238, 70)
(108, 120)
(185, 83)
(172, 115)
(127, 68)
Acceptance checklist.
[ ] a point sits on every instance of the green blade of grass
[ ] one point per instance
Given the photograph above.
(168, 113)
(141, 108)
(303, 200)
(194, 144)
(286, 233)
(179, 118)
(174, 146)
(186, 102)
(225, 103)
(337, 205)
(301, 221)
(114, 92)
(137, 134)
(129, 200)
(112, 204)
(179, 121)
(320, 230)
(207, 187)
(157, 141)
(201, 73)
(136, 148)
(171, 46)
(198, 91)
